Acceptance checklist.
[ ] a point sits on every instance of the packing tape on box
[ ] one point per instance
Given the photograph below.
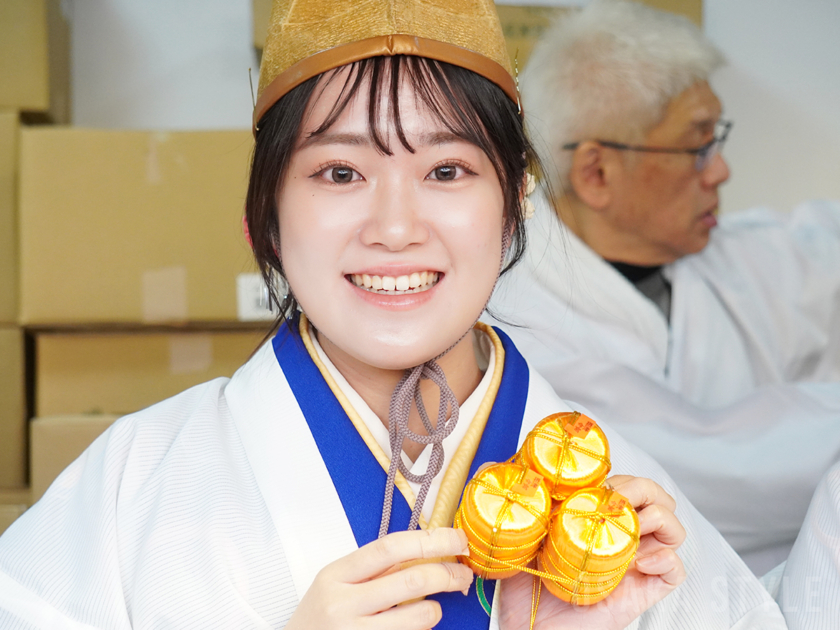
(190, 353)
(165, 294)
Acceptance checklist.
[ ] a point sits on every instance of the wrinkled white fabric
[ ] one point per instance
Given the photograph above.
(739, 397)
(809, 591)
(182, 516)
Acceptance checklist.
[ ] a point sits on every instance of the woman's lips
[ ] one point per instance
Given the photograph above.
(416, 282)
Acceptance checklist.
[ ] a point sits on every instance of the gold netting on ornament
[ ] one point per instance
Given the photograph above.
(608, 579)
(529, 550)
(566, 445)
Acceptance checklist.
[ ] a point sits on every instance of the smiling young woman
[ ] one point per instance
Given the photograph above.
(313, 490)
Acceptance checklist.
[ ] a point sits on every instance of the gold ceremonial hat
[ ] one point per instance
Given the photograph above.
(308, 37)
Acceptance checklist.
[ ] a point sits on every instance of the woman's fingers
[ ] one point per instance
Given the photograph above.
(355, 590)
(662, 524)
(642, 492)
(380, 556)
(414, 616)
(411, 583)
(664, 564)
(659, 528)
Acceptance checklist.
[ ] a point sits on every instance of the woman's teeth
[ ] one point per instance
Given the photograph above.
(396, 285)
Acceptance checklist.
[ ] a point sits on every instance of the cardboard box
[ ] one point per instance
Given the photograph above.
(9, 129)
(12, 409)
(120, 373)
(261, 11)
(57, 441)
(9, 514)
(13, 503)
(35, 58)
(131, 226)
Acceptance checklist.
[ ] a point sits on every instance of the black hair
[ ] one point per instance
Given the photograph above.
(468, 105)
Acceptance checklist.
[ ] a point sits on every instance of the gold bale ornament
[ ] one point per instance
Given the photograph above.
(593, 536)
(308, 37)
(505, 513)
(569, 450)
(593, 531)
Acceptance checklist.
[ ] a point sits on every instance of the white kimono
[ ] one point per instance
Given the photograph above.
(216, 509)
(739, 397)
(809, 591)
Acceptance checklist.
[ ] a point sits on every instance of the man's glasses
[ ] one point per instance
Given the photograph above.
(703, 155)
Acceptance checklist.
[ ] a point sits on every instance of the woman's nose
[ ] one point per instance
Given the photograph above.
(395, 217)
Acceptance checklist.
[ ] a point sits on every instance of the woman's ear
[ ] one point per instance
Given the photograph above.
(590, 175)
(246, 231)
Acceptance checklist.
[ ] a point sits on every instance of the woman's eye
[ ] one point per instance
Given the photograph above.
(341, 175)
(449, 172)
(445, 173)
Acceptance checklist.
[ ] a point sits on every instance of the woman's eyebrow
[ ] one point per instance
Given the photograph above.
(364, 140)
(439, 137)
(351, 139)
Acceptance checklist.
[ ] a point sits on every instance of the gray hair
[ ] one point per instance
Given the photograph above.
(608, 72)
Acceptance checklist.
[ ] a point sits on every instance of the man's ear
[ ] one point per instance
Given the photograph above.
(590, 175)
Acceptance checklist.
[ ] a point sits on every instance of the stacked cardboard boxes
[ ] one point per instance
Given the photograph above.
(35, 59)
(12, 408)
(34, 86)
(132, 257)
(124, 274)
(12, 395)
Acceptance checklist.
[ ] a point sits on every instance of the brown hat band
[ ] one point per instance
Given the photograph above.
(382, 46)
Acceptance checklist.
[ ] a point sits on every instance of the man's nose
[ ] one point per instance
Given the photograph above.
(716, 172)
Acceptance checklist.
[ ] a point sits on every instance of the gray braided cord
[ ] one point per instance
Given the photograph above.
(408, 389)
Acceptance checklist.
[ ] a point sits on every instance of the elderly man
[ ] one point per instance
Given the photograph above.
(716, 348)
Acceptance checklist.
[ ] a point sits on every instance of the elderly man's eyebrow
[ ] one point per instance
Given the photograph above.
(706, 125)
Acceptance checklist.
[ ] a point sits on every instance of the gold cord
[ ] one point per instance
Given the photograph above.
(536, 591)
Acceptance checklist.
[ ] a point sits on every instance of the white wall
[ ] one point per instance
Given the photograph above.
(782, 89)
(162, 64)
(183, 64)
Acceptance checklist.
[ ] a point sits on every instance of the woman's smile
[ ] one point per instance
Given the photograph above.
(396, 285)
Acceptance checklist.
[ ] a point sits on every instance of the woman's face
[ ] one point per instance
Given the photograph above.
(392, 257)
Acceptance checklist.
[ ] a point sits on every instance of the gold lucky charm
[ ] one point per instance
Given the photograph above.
(569, 450)
(593, 536)
(505, 513)
(550, 502)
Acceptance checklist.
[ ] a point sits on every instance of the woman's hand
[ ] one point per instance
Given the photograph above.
(362, 589)
(655, 571)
